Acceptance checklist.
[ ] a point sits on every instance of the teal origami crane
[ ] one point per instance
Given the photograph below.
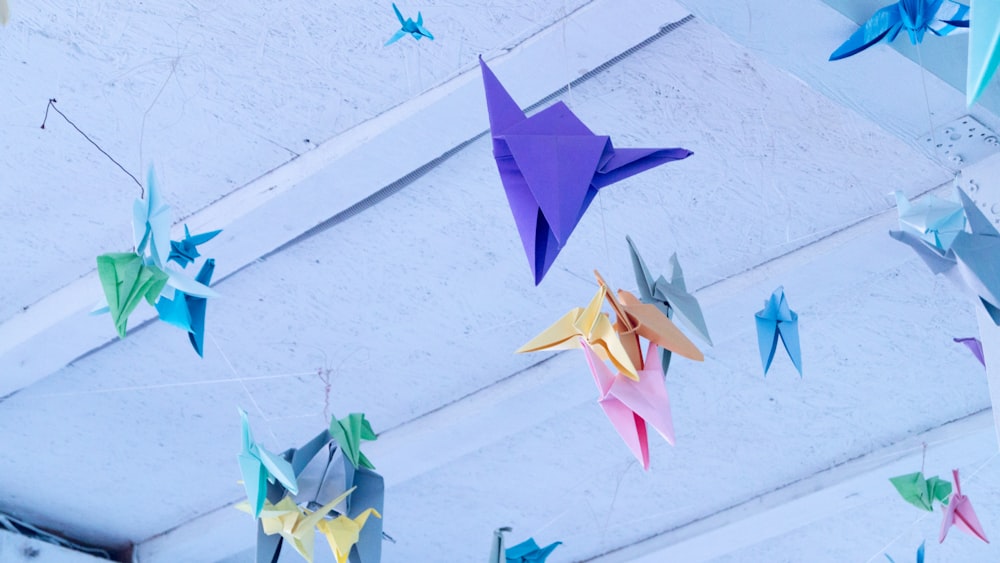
(127, 278)
(917, 17)
(529, 552)
(188, 311)
(670, 297)
(260, 467)
(936, 221)
(348, 433)
(984, 47)
(776, 320)
(920, 554)
(416, 29)
(185, 251)
(920, 491)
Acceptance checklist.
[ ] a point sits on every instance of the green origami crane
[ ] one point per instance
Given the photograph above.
(126, 281)
(921, 492)
(348, 432)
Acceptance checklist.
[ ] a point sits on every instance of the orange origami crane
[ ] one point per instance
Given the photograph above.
(635, 319)
(959, 513)
(630, 405)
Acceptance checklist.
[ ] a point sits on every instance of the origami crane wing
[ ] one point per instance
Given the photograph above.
(591, 324)
(936, 221)
(960, 514)
(497, 549)
(529, 552)
(975, 346)
(885, 23)
(259, 466)
(776, 320)
(921, 492)
(185, 251)
(551, 166)
(984, 47)
(976, 254)
(343, 533)
(348, 433)
(188, 311)
(126, 281)
(151, 223)
(175, 311)
(656, 327)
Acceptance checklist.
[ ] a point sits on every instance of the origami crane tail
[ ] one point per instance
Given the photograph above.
(503, 110)
(629, 162)
(984, 47)
(643, 278)
(885, 21)
(975, 346)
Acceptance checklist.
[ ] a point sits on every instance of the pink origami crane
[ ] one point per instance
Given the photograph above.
(631, 404)
(959, 513)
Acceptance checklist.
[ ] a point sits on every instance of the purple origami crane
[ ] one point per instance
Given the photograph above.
(552, 166)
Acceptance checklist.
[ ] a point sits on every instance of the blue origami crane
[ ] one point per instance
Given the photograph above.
(259, 467)
(416, 29)
(984, 47)
(188, 311)
(920, 554)
(917, 17)
(776, 320)
(529, 552)
(552, 166)
(937, 221)
(185, 251)
(669, 297)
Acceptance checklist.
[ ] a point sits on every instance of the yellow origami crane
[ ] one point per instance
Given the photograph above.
(591, 324)
(296, 526)
(635, 319)
(342, 532)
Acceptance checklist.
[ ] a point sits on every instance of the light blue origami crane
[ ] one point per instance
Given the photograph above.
(917, 17)
(151, 228)
(670, 297)
(984, 47)
(416, 29)
(185, 251)
(259, 467)
(776, 320)
(920, 554)
(529, 552)
(188, 311)
(936, 221)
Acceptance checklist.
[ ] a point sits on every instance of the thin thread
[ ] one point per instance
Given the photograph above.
(142, 129)
(260, 411)
(922, 518)
(52, 104)
(172, 385)
(927, 98)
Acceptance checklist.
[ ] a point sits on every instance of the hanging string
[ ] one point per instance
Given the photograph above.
(52, 105)
(172, 385)
(253, 400)
(922, 518)
(927, 98)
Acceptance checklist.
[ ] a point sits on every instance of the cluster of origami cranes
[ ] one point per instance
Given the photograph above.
(552, 167)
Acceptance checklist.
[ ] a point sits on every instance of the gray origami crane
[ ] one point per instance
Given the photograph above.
(670, 297)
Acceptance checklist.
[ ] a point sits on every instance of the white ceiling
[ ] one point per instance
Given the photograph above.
(411, 307)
